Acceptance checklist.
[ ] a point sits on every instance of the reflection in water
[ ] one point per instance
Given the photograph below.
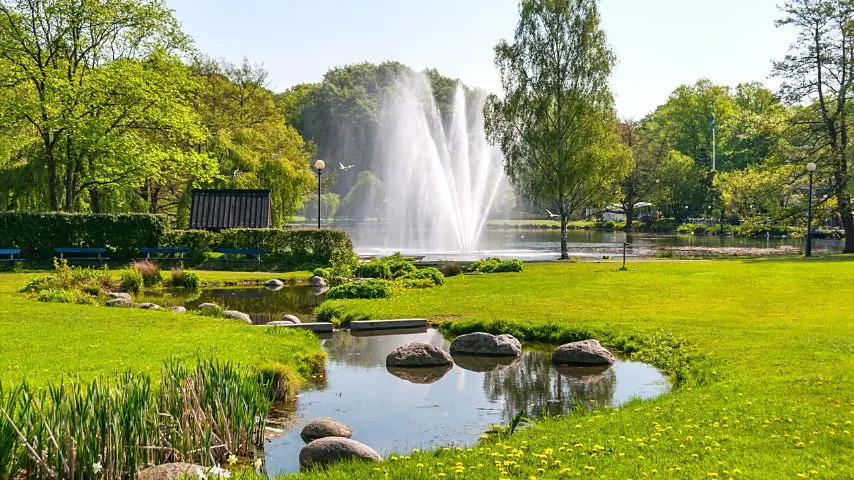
(395, 411)
(422, 375)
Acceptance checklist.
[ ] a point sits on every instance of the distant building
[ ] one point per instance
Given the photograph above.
(221, 209)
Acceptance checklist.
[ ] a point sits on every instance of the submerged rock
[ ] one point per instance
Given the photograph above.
(237, 315)
(585, 352)
(174, 471)
(324, 427)
(290, 318)
(588, 374)
(420, 375)
(329, 450)
(484, 364)
(148, 306)
(280, 323)
(486, 345)
(418, 354)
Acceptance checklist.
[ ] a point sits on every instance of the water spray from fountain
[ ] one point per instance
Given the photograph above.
(440, 173)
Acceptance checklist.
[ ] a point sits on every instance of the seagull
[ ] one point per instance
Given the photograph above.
(552, 215)
(344, 167)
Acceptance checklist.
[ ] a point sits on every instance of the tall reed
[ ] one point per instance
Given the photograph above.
(109, 430)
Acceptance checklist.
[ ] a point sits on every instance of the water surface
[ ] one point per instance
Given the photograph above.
(395, 411)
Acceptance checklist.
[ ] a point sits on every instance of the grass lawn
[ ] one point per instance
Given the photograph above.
(45, 342)
(772, 395)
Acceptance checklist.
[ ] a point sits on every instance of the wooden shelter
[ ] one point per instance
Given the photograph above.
(221, 209)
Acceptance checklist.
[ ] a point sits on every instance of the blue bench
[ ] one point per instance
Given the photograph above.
(98, 253)
(165, 253)
(233, 254)
(11, 252)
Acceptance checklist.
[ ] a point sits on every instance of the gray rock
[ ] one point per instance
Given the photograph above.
(290, 318)
(178, 309)
(324, 427)
(174, 471)
(119, 302)
(274, 284)
(237, 315)
(585, 352)
(209, 306)
(486, 345)
(418, 354)
(120, 295)
(587, 374)
(318, 281)
(485, 364)
(148, 306)
(420, 375)
(329, 450)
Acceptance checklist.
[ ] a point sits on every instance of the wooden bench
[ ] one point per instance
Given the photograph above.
(11, 252)
(233, 254)
(76, 251)
(165, 253)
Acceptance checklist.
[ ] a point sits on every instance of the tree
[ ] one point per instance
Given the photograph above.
(555, 122)
(640, 182)
(818, 74)
(95, 80)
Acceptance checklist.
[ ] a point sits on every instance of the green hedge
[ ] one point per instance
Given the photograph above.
(37, 234)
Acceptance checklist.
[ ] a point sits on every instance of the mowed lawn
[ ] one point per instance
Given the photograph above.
(45, 342)
(775, 397)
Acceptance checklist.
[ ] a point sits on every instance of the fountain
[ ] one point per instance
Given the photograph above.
(440, 174)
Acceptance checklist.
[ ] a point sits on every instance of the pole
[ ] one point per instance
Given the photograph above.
(714, 146)
(625, 244)
(318, 198)
(809, 221)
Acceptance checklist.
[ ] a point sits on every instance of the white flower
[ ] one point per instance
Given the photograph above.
(258, 463)
(218, 472)
(97, 467)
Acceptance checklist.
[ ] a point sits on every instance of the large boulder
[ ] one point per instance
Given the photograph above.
(329, 450)
(237, 315)
(318, 281)
(274, 284)
(585, 352)
(324, 427)
(420, 375)
(486, 345)
(418, 354)
(209, 306)
(119, 302)
(120, 295)
(178, 309)
(148, 306)
(290, 318)
(174, 471)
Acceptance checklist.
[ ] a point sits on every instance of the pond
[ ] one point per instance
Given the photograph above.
(263, 305)
(398, 410)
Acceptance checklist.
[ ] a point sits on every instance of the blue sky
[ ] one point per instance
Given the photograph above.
(660, 44)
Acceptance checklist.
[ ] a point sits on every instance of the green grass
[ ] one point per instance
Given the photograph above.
(45, 342)
(772, 394)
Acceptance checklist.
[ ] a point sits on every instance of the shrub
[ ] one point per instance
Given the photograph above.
(182, 278)
(429, 273)
(37, 284)
(150, 272)
(405, 283)
(325, 273)
(200, 242)
(38, 233)
(374, 269)
(451, 269)
(398, 265)
(57, 295)
(374, 288)
(496, 265)
(343, 262)
(131, 280)
(665, 253)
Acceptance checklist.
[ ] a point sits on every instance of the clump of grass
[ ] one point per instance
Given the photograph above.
(183, 278)
(201, 414)
(150, 272)
(131, 280)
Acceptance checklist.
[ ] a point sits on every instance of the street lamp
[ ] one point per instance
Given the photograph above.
(319, 165)
(810, 170)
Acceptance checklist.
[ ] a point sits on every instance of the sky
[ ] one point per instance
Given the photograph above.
(659, 44)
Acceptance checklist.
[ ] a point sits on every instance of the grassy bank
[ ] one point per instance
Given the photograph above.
(765, 349)
(45, 342)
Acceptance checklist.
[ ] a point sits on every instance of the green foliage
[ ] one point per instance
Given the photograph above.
(200, 242)
(150, 271)
(185, 279)
(343, 262)
(374, 288)
(374, 269)
(37, 234)
(496, 265)
(398, 265)
(432, 274)
(131, 280)
(325, 273)
(57, 295)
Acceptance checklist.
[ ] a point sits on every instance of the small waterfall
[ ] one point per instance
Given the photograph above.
(440, 174)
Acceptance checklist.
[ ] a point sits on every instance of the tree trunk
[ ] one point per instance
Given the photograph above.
(69, 187)
(630, 217)
(95, 200)
(52, 181)
(564, 248)
(844, 204)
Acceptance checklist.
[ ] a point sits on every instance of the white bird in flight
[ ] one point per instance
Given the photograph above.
(344, 167)
(552, 215)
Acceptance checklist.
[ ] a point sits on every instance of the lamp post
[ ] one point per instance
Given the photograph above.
(319, 165)
(808, 251)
